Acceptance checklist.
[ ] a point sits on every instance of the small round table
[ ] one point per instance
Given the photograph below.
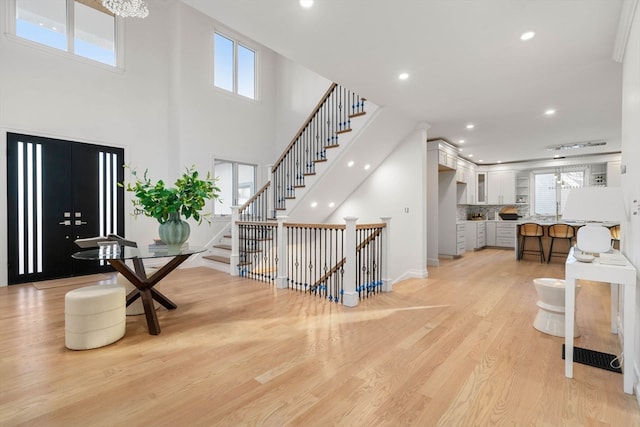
(118, 255)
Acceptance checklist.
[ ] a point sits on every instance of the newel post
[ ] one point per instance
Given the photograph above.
(386, 251)
(235, 241)
(281, 279)
(350, 296)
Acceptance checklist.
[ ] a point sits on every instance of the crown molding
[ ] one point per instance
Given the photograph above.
(624, 28)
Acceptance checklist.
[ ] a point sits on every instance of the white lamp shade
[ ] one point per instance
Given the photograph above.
(594, 204)
(603, 204)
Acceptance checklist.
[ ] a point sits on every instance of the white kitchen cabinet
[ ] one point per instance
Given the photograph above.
(491, 233)
(447, 157)
(466, 180)
(481, 188)
(475, 235)
(460, 238)
(505, 234)
(501, 187)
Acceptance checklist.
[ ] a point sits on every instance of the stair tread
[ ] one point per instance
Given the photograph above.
(343, 131)
(222, 246)
(218, 258)
(357, 114)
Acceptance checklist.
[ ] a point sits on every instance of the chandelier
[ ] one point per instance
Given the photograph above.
(127, 8)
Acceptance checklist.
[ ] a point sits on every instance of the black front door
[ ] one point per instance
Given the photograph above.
(59, 191)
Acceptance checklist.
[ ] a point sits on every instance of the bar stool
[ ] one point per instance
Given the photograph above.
(615, 235)
(531, 229)
(560, 231)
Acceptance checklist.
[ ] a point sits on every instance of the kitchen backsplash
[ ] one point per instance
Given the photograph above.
(465, 212)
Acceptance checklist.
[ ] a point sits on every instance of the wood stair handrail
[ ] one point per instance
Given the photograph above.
(328, 274)
(304, 126)
(254, 197)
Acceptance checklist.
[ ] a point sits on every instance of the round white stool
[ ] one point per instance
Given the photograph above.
(94, 316)
(550, 317)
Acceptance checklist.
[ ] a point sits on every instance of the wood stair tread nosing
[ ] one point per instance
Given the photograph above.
(218, 258)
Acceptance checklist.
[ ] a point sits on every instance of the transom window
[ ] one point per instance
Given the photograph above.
(82, 27)
(234, 66)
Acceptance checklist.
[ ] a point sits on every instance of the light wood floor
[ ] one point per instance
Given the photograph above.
(456, 349)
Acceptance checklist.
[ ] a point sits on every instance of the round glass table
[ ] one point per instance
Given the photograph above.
(117, 256)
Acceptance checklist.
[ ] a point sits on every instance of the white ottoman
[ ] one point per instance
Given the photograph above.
(94, 316)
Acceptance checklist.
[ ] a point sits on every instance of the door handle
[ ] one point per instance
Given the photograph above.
(65, 222)
(78, 222)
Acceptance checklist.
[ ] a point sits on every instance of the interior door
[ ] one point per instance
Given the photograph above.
(59, 191)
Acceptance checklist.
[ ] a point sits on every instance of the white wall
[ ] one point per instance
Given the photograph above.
(396, 189)
(631, 159)
(299, 91)
(161, 107)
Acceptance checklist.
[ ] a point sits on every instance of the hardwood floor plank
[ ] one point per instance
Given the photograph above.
(455, 349)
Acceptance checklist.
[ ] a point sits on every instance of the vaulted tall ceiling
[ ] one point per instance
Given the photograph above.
(466, 64)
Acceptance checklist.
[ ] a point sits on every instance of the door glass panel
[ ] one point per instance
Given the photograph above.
(29, 207)
(42, 21)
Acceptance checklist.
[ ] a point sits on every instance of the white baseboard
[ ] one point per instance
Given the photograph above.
(412, 274)
(435, 262)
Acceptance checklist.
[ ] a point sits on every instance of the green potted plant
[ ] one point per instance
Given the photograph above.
(169, 205)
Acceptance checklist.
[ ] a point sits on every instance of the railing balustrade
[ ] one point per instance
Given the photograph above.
(331, 117)
(340, 262)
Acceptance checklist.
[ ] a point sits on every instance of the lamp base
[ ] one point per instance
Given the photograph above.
(593, 238)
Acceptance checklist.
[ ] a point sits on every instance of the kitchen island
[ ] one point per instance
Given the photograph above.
(559, 245)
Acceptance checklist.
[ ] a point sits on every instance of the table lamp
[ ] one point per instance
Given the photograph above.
(594, 205)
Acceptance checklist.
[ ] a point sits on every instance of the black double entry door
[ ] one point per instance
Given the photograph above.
(59, 191)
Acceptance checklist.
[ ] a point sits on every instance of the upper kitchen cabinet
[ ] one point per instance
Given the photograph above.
(447, 155)
(466, 180)
(481, 188)
(501, 188)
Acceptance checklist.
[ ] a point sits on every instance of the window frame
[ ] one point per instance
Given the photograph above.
(560, 197)
(234, 184)
(237, 41)
(11, 33)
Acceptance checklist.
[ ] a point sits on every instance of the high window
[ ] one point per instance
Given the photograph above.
(552, 190)
(81, 27)
(237, 182)
(234, 66)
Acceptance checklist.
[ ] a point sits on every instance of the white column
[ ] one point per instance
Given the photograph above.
(283, 244)
(386, 250)
(350, 296)
(235, 241)
(270, 193)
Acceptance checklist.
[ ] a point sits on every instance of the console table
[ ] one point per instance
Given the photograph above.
(118, 255)
(617, 275)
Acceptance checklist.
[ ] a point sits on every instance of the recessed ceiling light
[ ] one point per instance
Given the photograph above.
(331, 204)
(470, 126)
(314, 204)
(461, 141)
(470, 155)
(550, 112)
(306, 3)
(350, 163)
(367, 166)
(403, 76)
(460, 150)
(480, 161)
(527, 36)
(499, 161)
